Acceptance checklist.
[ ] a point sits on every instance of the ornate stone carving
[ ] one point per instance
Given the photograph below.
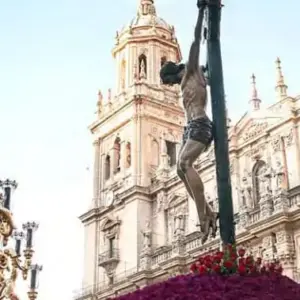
(254, 130)
(281, 202)
(174, 199)
(160, 201)
(266, 207)
(276, 143)
(244, 218)
(289, 138)
(111, 227)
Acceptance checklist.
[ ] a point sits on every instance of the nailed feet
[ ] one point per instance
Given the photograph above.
(208, 224)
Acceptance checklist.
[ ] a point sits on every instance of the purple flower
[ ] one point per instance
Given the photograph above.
(216, 287)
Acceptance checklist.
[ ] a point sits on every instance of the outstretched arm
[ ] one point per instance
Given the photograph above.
(193, 61)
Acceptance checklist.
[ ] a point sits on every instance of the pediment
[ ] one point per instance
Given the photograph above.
(175, 198)
(252, 127)
(109, 223)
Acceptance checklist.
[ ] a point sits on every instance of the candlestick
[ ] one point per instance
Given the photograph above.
(35, 269)
(29, 238)
(30, 227)
(7, 194)
(8, 185)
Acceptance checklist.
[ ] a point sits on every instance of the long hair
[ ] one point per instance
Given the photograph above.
(169, 73)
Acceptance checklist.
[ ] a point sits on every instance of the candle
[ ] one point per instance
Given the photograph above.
(29, 238)
(18, 247)
(7, 194)
(33, 279)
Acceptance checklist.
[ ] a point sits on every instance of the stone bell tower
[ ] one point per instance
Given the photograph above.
(136, 139)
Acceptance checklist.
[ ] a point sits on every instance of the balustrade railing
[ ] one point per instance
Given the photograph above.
(167, 253)
(111, 254)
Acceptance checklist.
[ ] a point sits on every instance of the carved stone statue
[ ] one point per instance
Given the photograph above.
(179, 225)
(265, 178)
(279, 175)
(142, 69)
(147, 235)
(246, 192)
(198, 135)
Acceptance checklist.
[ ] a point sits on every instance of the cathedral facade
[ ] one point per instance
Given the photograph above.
(142, 226)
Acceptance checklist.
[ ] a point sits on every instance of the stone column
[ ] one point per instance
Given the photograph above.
(96, 170)
(112, 162)
(286, 251)
(134, 149)
(123, 157)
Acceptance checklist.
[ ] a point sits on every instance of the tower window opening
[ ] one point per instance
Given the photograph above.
(163, 61)
(171, 151)
(112, 248)
(107, 167)
(142, 66)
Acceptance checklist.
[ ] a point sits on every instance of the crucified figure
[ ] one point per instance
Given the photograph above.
(198, 132)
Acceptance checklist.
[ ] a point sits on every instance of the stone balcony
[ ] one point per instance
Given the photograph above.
(110, 257)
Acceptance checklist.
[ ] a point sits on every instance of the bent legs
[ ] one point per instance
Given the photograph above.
(194, 185)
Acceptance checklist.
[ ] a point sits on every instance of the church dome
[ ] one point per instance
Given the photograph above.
(146, 17)
(149, 20)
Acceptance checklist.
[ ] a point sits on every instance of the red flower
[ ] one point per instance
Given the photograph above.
(278, 269)
(202, 269)
(207, 258)
(216, 268)
(249, 261)
(208, 263)
(242, 269)
(241, 252)
(242, 261)
(233, 256)
(193, 268)
(272, 267)
(217, 259)
(234, 261)
(228, 264)
(220, 254)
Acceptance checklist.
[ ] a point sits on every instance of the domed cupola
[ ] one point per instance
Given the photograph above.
(147, 22)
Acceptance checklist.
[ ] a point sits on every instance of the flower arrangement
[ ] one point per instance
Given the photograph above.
(209, 280)
(232, 261)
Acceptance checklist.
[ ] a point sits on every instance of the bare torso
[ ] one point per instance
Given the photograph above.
(194, 94)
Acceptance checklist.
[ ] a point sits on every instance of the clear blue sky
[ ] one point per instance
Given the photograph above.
(55, 54)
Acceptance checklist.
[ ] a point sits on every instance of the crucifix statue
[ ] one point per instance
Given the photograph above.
(198, 132)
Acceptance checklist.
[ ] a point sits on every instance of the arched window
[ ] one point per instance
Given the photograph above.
(163, 60)
(117, 155)
(143, 66)
(123, 74)
(257, 172)
(107, 167)
(128, 155)
(154, 153)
